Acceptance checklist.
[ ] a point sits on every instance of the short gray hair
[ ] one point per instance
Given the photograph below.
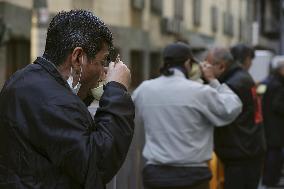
(222, 54)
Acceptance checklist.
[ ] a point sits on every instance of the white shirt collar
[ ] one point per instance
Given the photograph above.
(177, 72)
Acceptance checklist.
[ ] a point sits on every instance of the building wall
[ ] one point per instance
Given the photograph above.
(113, 12)
(141, 30)
(205, 27)
(121, 15)
(157, 39)
(85, 4)
(55, 6)
(236, 8)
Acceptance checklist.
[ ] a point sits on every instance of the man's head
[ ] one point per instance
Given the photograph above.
(79, 40)
(278, 65)
(221, 59)
(179, 55)
(243, 54)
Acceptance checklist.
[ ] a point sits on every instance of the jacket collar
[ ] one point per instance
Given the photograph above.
(231, 70)
(52, 70)
(279, 78)
(177, 72)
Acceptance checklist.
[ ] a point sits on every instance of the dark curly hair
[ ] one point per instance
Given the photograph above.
(75, 28)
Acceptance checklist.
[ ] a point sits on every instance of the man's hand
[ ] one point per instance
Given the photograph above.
(207, 71)
(120, 73)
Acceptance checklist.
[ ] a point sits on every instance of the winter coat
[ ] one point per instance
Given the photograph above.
(243, 139)
(273, 111)
(48, 138)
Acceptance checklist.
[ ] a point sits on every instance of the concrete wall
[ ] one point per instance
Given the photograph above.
(113, 12)
(55, 6)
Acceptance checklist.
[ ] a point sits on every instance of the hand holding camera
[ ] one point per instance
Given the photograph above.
(119, 72)
(207, 71)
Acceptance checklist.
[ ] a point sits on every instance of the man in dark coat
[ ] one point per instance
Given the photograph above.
(273, 114)
(241, 144)
(48, 138)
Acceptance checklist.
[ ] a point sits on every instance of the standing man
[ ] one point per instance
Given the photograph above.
(179, 116)
(273, 114)
(240, 145)
(48, 138)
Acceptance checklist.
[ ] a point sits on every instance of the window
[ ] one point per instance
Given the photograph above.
(39, 3)
(136, 18)
(228, 24)
(240, 29)
(171, 26)
(214, 19)
(270, 18)
(138, 4)
(18, 55)
(157, 6)
(179, 9)
(196, 12)
(155, 64)
(136, 67)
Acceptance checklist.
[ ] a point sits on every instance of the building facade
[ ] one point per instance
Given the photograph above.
(141, 28)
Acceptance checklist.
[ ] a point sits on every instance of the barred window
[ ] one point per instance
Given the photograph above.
(179, 9)
(157, 6)
(196, 12)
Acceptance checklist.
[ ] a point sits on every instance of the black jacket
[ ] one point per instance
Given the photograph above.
(48, 138)
(273, 111)
(243, 139)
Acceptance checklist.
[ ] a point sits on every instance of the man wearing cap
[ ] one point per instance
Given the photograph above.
(179, 116)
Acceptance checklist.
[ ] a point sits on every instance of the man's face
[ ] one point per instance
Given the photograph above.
(93, 69)
(247, 63)
(218, 67)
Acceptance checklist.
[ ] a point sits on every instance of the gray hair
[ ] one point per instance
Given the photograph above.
(277, 62)
(222, 54)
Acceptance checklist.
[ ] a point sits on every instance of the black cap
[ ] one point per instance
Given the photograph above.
(178, 53)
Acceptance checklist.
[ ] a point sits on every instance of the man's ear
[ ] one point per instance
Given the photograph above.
(223, 67)
(188, 65)
(77, 58)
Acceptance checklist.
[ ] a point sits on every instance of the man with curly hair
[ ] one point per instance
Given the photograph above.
(48, 139)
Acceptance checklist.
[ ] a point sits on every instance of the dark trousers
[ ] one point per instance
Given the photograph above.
(243, 175)
(273, 166)
(203, 185)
